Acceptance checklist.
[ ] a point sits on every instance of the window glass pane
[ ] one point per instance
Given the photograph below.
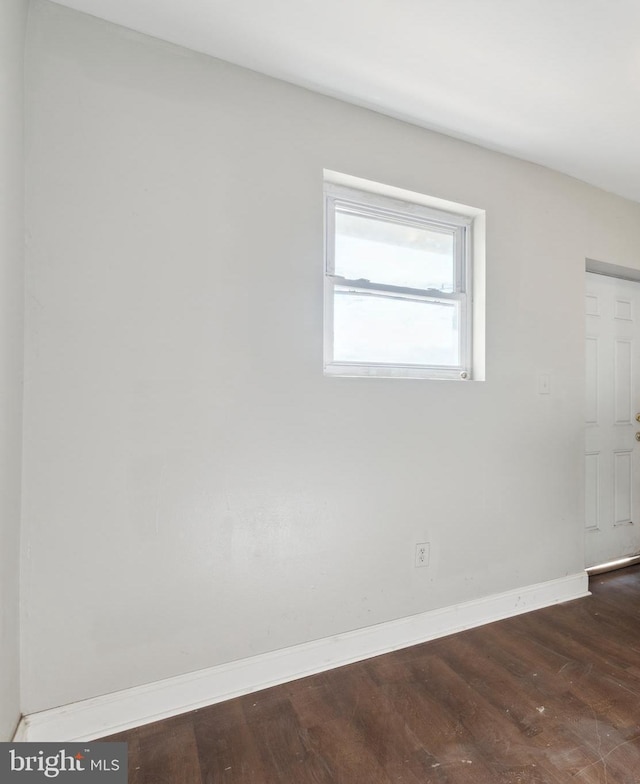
(372, 328)
(392, 253)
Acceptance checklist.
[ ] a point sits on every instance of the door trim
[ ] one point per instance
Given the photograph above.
(612, 270)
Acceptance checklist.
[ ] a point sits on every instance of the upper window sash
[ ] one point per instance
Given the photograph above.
(341, 199)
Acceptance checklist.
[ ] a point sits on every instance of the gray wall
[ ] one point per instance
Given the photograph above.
(195, 490)
(13, 14)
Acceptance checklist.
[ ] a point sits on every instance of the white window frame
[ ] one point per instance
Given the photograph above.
(359, 202)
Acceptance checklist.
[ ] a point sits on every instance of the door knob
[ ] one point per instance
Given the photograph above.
(637, 417)
(637, 436)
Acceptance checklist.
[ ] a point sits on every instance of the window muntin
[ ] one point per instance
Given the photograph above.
(397, 283)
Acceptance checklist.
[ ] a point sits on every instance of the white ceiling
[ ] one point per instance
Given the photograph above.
(556, 82)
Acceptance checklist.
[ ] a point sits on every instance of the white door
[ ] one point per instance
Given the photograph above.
(612, 452)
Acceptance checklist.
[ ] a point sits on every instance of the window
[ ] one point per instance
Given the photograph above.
(397, 287)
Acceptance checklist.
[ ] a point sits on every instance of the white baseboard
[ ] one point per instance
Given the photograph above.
(122, 710)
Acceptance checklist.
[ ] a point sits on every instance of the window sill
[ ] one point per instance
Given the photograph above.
(349, 370)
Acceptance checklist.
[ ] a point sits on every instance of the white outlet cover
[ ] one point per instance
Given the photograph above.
(544, 384)
(422, 554)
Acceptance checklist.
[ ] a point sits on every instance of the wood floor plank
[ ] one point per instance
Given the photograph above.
(549, 697)
(381, 727)
(319, 699)
(346, 754)
(227, 751)
(164, 753)
(445, 754)
(286, 748)
(132, 739)
(570, 694)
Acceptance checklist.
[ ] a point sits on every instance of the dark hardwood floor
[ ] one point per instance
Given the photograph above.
(549, 697)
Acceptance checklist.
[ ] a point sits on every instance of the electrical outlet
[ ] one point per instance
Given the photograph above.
(422, 554)
(544, 383)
